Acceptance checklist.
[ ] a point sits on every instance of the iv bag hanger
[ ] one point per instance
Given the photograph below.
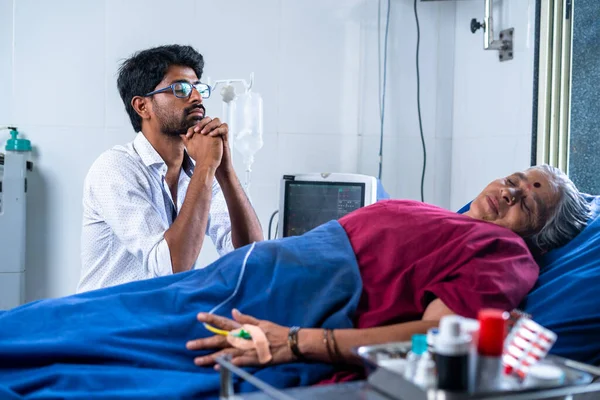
(228, 90)
(504, 44)
(228, 95)
(244, 115)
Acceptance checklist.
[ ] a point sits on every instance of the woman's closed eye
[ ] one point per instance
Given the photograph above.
(525, 207)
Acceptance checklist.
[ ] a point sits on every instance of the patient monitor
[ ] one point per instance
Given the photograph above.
(309, 200)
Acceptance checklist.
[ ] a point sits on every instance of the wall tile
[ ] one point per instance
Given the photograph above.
(305, 153)
(59, 63)
(319, 68)
(6, 59)
(476, 162)
(54, 207)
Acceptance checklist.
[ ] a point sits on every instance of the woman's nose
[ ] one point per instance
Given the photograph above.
(517, 194)
(512, 195)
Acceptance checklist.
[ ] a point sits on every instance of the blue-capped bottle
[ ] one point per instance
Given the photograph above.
(418, 348)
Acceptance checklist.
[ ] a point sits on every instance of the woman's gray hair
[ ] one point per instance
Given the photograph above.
(568, 218)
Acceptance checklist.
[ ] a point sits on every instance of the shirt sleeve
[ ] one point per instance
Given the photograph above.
(121, 194)
(219, 223)
(499, 274)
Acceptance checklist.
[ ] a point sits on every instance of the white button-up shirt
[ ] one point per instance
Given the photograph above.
(127, 207)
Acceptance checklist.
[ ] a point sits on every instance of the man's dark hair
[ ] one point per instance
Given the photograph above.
(141, 73)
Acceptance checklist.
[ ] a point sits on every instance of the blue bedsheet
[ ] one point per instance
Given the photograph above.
(129, 341)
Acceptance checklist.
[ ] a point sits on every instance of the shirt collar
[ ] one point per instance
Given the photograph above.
(150, 156)
(147, 153)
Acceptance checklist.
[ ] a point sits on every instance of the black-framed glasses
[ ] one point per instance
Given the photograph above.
(183, 90)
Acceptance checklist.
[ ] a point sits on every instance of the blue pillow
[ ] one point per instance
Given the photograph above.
(564, 299)
(381, 193)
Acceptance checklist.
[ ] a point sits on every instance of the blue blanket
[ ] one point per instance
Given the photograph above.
(128, 341)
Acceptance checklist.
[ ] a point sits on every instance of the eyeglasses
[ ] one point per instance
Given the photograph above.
(183, 90)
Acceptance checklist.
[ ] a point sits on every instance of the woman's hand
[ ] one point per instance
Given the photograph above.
(277, 337)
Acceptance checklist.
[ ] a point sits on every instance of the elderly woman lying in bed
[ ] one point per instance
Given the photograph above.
(419, 263)
(380, 274)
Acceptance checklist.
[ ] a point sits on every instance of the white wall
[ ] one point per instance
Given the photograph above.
(6, 42)
(402, 155)
(315, 64)
(492, 100)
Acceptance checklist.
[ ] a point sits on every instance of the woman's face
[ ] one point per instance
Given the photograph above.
(521, 202)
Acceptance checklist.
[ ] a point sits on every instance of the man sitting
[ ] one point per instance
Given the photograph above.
(147, 206)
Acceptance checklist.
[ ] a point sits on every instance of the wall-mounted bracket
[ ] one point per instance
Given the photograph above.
(504, 44)
(505, 52)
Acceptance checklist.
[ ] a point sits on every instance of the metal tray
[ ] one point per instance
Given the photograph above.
(578, 379)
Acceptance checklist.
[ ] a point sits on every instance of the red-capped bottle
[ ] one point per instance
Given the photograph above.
(490, 344)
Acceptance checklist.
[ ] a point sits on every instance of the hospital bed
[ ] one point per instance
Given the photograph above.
(564, 300)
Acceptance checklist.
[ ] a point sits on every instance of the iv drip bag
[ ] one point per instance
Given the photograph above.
(248, 124)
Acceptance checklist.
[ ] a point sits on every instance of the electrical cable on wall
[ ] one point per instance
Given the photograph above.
(419, 103)
(382, 85)
(379, 54)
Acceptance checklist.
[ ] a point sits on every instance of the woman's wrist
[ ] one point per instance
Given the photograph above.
(310, 344)
(324, 345)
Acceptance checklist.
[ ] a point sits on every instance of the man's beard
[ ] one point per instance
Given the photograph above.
(172, 126)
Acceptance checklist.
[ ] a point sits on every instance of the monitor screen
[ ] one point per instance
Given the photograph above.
(310, 204)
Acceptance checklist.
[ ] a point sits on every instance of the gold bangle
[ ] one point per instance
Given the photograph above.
(338, 353)
(326, 342)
